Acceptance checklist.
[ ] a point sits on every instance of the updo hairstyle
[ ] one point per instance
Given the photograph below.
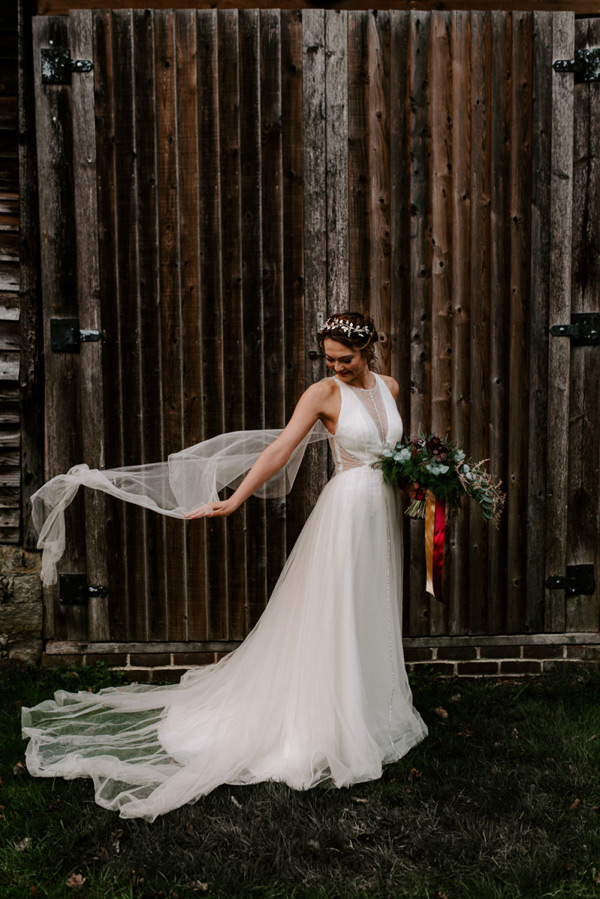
(352, 329)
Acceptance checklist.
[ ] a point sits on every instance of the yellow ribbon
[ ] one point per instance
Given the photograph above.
(429, 532)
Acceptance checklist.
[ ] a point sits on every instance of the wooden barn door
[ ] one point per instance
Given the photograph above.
(172, 216)
(219, 181)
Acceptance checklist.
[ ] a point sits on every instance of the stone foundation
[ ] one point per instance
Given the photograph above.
(20, 605)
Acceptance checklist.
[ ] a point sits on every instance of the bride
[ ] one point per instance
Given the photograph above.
(318, 689)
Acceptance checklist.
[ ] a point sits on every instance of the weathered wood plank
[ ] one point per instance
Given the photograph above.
(10, 438)
(378, 111)
(583, 612)
(10, 479)
(581, 7)
(272, 243)
(520, 239)
(420, 277)
(88, 290)
(254, 399)
(336, 164)
(113, 376)
(400, 238)
(559, 351)
(500, 126)
(189, 240)
(461, 267)
(481, 114)
(9, 458)
(173, 601)
(233, 334)
(153, 586)
(10, 336)
(293, 243)
(359, 211)
(441, 271)
(212, 300)
(126, 615)
(9, 275)
(315, 222)
(54, 141)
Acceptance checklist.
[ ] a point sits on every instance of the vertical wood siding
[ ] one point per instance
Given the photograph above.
(257, 169)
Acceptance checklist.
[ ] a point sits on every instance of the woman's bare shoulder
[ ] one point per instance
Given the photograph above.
(392, 385)
(321, 390)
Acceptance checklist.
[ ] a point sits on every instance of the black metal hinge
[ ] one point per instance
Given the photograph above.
(57, 66)
(74, 589)
(579, 581)
(66, 336)
(584, 329)
(586, 65)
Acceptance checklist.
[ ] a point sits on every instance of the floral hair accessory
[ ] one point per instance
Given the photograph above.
(347, 327)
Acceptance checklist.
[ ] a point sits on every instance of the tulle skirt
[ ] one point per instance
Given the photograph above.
(318, 689)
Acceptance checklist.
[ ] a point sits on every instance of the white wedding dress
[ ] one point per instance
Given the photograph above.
(317, 690)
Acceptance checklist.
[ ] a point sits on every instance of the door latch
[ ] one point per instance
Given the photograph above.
(57, 65)
(74, 589)
(584, 329)
(585, 64)
(579, 581)
(66, 336)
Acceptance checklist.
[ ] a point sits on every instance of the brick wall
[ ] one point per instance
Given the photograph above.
(468, 657)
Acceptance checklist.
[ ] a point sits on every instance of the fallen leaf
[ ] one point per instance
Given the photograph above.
(23, 844)
(413, 775)
(523, 850)
(441, 712)
(75, 881)
(101, 855)
(198, 886)
(455, 698)
(466, 730)
(114, 840)
(19, 769)
(574, 805)
(190, 828)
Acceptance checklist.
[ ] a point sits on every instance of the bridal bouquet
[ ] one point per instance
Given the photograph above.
(440, 475)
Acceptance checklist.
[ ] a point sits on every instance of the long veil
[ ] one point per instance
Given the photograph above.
(187, 480)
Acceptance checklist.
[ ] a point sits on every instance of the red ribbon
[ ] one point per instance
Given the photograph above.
(435, 525)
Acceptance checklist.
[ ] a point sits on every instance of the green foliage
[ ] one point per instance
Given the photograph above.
(484, 808)
(440, 466)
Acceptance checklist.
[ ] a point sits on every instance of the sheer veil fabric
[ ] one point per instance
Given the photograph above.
(318, 690)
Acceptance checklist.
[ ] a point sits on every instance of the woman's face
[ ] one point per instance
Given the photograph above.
(348, 364)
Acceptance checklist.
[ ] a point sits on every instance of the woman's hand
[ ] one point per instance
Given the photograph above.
(213, 510)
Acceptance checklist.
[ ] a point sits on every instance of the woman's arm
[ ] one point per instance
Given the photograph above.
(309, 409)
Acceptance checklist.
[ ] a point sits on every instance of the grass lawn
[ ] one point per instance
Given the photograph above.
(501, 800)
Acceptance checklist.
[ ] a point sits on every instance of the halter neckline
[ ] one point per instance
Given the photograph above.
(361, 389)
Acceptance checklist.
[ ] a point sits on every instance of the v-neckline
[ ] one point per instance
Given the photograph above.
(377, 384)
